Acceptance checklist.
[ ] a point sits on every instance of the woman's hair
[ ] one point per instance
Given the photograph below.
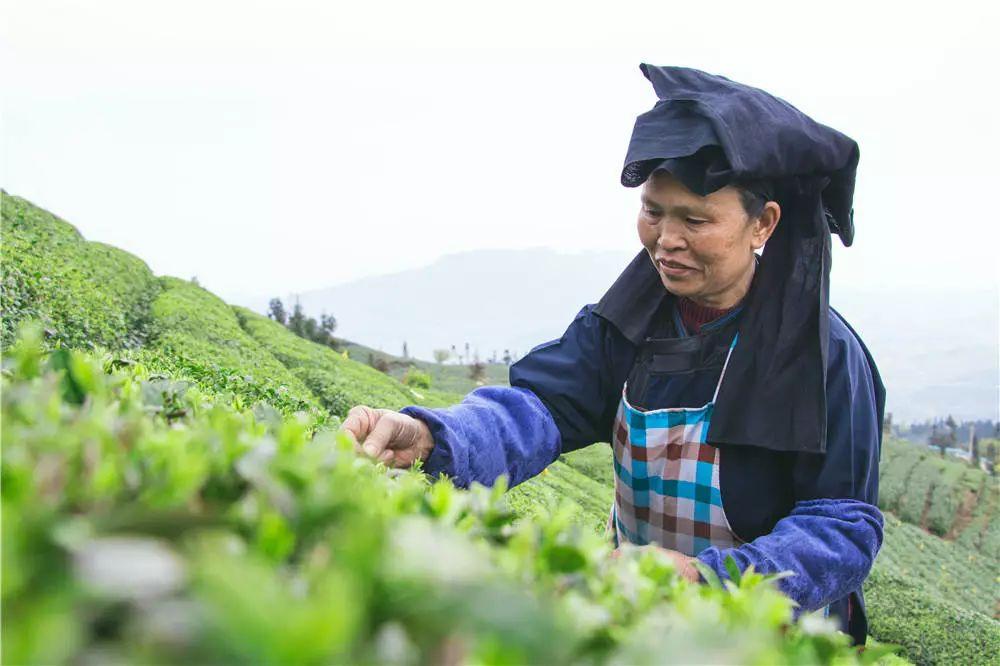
(754, 195)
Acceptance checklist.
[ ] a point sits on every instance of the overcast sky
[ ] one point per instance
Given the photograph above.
(271, 147)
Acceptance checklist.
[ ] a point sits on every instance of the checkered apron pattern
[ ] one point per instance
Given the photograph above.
(667, 478)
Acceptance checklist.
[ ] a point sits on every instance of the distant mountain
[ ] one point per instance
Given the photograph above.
(937, 352)
(492, 299)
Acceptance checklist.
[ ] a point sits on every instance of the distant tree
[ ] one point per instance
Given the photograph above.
(406, 352)
(938, 439)
(194, 281)
(327, 323)
(506, 357)
(974, 451)
(952, 429)
(276, 311)
(991, 456)
(297, 321)
(441, 355)
(467, 356)
(378, 362)
(477, 372)
(887, 425)
(310, 329)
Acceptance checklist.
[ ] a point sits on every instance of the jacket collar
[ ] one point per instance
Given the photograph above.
(632, 302)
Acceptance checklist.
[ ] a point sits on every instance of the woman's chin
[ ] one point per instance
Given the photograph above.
(679, 287)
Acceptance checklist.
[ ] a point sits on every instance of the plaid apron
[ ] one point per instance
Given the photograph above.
(667, 478)
(666, 475)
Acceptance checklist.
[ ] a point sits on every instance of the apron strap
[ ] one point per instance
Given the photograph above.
(724, 366)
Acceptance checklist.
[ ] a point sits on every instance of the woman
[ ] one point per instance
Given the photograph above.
(744, 413)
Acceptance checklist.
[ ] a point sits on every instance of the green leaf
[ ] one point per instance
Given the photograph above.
(874, 652)
(72, 390)
(733, 569)
(708, 573)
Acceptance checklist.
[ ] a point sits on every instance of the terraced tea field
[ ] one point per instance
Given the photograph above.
(145, 406)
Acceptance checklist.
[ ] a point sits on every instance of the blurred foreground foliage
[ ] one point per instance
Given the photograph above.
(147, 520)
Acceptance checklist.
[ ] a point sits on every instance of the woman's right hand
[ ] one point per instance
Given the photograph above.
(396, 439)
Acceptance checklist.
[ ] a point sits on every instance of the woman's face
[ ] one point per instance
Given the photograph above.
(702, 247)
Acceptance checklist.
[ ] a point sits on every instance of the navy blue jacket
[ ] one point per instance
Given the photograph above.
(810, 513)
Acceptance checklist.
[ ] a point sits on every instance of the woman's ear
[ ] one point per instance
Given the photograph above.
(766, 223)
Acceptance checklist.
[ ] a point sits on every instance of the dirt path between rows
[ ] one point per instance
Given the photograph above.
(927, 506)
(964, 515)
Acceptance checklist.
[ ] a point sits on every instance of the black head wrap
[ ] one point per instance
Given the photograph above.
(709, 132)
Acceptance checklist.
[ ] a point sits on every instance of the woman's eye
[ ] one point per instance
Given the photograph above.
(651, 212)
(695, 221)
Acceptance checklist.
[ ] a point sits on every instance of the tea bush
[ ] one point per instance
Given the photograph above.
(895, 467)
(932, 630)
(196, 336)
(944, 495)
(913, 566)
(206, 532)
(415, 378)
(194, 441)
(86, 294)
(339, 383)
(942, 569)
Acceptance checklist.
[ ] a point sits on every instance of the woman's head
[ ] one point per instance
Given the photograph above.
(703, 247)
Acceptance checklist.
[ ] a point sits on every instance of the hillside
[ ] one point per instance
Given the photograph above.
(449, 377)
(89, 295)
(177, 413)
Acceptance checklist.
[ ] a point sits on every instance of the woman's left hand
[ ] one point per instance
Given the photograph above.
(684, 564)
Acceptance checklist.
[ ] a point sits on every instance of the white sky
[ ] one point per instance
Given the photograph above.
(271, 147)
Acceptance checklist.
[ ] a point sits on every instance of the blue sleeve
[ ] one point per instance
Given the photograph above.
(521, 429)
(494, 430)
(578, 379)
(829, 544)
(830, 538)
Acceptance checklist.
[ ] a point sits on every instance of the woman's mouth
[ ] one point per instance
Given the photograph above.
(674, 268)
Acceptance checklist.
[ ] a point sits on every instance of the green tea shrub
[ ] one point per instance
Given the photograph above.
(139, 528)
(897, 464)
(197, 337)
(943, 569)
(986, 507)
(934, 569)
(931, 630)
(85, 294)
(416, 378)
(338, 382)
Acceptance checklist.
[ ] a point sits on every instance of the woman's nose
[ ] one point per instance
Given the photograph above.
(671, 237)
